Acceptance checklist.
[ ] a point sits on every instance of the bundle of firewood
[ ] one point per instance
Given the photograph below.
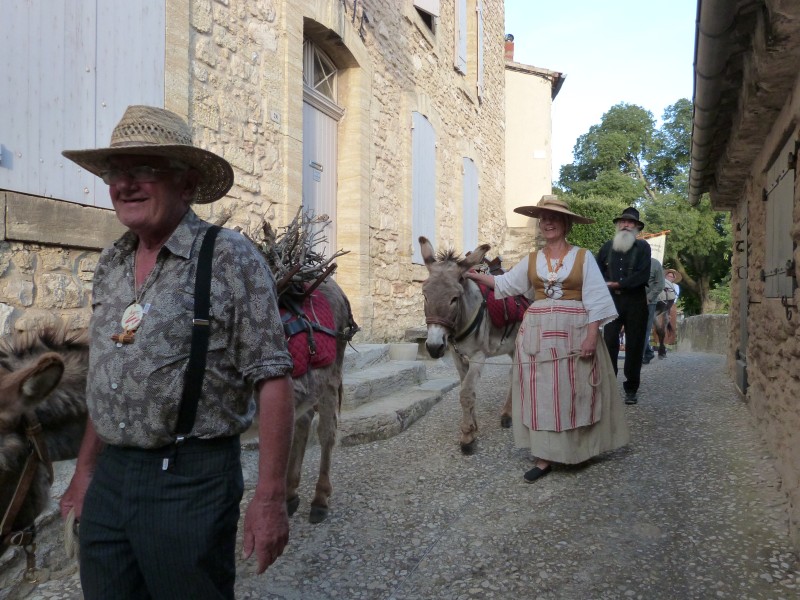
(294, 255)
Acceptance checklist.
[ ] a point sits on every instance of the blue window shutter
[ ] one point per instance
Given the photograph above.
(469, 217)
(423, 183)
(461, 36)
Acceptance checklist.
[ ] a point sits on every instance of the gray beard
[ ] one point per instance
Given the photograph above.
(623, 241)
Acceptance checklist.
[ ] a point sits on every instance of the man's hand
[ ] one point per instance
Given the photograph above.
(612, 285)
(75, 493)
(266, 530)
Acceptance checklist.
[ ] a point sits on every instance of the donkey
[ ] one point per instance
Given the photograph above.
(662, 323)
(454, 312)
(42, 419)
(320, 389)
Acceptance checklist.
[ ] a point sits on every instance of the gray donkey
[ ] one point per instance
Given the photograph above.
(455, 313)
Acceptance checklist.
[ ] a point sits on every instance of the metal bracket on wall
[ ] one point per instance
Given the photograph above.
(787, 306)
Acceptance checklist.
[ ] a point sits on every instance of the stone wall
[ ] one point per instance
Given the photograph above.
(704, 333)
(771, 339)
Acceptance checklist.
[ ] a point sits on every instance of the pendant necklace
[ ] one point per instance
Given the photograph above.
(134, 314)
(552, 272)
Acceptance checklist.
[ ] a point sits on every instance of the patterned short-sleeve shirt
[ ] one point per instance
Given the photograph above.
(134, 390)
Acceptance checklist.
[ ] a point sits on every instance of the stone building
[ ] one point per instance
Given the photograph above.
(745, 140)
(386, 115)
(530, 92)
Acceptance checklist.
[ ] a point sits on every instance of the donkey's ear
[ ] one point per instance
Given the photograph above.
(41, 379)
(474, 257)
(427, 251)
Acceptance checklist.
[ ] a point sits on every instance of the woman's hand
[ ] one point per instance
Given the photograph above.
(589, 345)
(482, 278)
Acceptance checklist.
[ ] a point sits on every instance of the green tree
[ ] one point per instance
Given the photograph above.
(626, 160)
(603, 211)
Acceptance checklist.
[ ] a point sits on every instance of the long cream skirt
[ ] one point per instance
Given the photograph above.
(572, 446)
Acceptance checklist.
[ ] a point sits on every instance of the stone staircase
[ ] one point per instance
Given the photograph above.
(385, 390)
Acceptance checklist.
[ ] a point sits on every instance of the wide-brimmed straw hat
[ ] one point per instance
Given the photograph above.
(152, 131)
(677, 275)
(630, 214)
(553, 204)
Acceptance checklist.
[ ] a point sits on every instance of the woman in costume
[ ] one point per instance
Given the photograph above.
(566, 405)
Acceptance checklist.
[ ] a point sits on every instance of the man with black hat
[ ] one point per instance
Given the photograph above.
(158, 480)
(625, 264)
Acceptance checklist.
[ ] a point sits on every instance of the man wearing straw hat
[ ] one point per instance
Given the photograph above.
(156, 493)
(625, 264)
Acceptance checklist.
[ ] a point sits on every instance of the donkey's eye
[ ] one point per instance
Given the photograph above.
(454, 300)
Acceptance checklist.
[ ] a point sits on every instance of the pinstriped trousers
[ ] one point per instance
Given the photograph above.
(150, 533)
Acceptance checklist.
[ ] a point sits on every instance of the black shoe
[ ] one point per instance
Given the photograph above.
(630, 398)
(536, 473)
(646, 361)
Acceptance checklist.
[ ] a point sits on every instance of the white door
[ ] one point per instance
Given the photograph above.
(321, 117)
(319, 169)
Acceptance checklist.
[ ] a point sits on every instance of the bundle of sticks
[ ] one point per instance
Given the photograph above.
(294, 255)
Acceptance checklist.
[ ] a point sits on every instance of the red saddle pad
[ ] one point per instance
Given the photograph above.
(323, 352)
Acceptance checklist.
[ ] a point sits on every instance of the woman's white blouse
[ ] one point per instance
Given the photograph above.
(597, 299)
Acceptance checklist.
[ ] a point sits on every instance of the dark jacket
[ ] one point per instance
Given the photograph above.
(630, 269)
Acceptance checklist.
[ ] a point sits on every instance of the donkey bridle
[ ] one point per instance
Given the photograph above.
(450, 325)
(37, 456)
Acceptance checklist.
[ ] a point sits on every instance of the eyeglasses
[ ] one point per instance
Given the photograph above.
(138, 174)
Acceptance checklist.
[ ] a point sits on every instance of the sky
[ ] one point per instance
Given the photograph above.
(635, 51)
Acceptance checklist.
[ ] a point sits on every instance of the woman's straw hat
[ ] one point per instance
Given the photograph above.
(553, 204)
(677, 275)
(152, 131)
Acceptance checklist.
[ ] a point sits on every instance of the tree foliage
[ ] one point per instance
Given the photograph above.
(626, 160)
(603, 211)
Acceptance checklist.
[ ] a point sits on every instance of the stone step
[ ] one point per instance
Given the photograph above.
(392, 414)
(362, 356)
(372, 383)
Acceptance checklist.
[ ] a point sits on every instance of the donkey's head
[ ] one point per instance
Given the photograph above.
(443, 292)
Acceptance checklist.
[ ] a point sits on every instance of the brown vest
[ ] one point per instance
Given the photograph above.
(571, 287)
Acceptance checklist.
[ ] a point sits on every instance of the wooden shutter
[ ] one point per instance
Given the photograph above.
(461, 36)
(423, 183)
(68, 76)
(470, 205)
(779, 279)
(479, 65)
(429, 6)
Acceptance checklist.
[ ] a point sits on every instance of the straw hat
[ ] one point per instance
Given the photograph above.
(553, 204)
(675, 274)
(152, 131)
(630, 214)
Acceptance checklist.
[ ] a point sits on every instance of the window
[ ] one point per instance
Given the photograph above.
(428, 10)
(423, 183)
(319, 72)
(469, 210)
(778, 269)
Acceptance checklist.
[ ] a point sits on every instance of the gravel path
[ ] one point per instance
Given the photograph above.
(692, 508)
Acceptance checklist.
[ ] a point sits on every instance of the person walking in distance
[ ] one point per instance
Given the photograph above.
(158, 479)
(565, 398)
(654, 286)
(625, 264)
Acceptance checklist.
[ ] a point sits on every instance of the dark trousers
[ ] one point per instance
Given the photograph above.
(146, 532)
(632, 311)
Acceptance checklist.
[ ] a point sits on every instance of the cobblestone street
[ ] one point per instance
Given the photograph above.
(692, 508)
